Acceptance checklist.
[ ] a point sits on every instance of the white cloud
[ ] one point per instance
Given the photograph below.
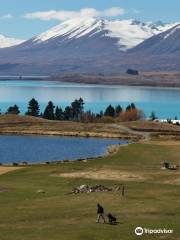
(7, 16)
(83, 13)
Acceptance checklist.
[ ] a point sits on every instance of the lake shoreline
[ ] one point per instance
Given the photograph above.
(70, 134)
(144, 79)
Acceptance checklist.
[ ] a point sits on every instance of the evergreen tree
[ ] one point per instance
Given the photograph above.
(101, 114)
(77, 108)
(59, 113)
(110, 111)
(133, 106)
(130, 107)
(49, 111)
(13, 110)
(68, 114)
(153, 116)
(33, 108)
(118, 110)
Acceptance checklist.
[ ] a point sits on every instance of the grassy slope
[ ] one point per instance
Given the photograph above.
(153, 202)
(13, 124)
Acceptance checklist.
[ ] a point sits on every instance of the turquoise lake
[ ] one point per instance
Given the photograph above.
(164, 101)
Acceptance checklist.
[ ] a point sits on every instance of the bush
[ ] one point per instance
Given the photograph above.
(131, 115)
(15, 164)
(132, 72)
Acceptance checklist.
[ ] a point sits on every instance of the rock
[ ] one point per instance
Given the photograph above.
(89, 189)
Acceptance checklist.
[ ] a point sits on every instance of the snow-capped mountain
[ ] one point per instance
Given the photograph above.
(129, 33)
(9, 42)
(92, 46)
(167, 42)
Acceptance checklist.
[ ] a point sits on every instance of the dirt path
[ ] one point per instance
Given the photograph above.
(145, 135)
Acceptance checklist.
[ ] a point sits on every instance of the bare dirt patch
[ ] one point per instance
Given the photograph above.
(174, 180)
(4, 169)
(106, 174)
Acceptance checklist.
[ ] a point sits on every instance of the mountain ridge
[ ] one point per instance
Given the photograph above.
(91, 46)
(9, 42)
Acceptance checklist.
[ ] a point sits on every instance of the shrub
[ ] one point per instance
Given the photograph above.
(131, 115)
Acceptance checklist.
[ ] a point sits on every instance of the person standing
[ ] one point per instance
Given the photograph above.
(100, 213)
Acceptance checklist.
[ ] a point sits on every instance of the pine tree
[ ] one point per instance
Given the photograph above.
(110, 111)
(13, 110)
(77, 108)
(130, 107)
(59, 113)
(49, 111)
(153, 116)
(68, 114)
(133, 106)
(33, 108)
(118, 110)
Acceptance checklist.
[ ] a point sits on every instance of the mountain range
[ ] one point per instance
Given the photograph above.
(95, 47)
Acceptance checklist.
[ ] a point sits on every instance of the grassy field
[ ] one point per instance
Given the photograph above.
(151, 197)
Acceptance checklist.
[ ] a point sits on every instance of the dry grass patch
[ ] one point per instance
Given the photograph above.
(105, 174)
(163, 143)
(4, 169)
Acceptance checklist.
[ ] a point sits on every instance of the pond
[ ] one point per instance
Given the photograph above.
(38, 149)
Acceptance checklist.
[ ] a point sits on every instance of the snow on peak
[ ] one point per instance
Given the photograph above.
(9, 42)
(76, 27)
(172, 31)
(129, 32)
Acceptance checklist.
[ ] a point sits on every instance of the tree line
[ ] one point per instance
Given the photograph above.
(75, 112)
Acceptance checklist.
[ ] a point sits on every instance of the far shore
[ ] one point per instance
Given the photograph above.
(144, 79)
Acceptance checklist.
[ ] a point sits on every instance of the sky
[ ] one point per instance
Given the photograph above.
(26, 18)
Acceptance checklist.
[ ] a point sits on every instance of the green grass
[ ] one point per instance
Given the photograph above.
(151, 203)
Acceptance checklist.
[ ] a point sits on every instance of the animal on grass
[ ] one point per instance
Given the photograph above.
(112, 219)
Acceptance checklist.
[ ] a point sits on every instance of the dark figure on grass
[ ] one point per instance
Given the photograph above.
(100, 213)
(112, 219)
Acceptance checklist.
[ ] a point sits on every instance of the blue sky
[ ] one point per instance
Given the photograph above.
(14, 23)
